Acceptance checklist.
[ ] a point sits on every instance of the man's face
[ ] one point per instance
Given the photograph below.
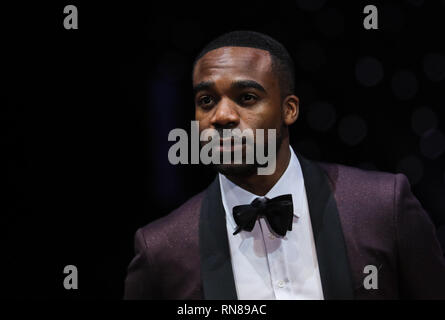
(235, 87)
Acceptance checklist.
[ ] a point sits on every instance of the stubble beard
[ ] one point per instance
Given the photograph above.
(245, 170)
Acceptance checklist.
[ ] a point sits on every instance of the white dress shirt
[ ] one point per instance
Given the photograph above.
(266, 267)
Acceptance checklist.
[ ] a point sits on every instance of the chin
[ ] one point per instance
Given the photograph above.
(236, 170)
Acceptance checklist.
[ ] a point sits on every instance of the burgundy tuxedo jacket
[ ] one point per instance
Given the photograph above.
(358, 218)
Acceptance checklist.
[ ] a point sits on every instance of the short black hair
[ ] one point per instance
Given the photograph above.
(282, 63)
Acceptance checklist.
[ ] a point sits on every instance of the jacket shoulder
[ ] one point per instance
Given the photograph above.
(366, 200)
(342, 175)
(166, 250)
(179, 225)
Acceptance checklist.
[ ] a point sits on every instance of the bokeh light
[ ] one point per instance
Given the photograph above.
(352, 129)
(404, 85)
(368, 71)
(434, 66)
(423, 119)
(432, 144)
(321, 116)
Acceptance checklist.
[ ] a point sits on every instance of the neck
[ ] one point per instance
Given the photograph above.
(261, 184)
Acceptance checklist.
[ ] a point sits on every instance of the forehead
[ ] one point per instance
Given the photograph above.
(234, 63)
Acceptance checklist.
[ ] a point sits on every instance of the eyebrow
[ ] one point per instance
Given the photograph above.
(246, 84)
(206, 85)
(239, 84)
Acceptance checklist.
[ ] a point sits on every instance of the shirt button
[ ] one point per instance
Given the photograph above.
(281, 283)
(271, 236)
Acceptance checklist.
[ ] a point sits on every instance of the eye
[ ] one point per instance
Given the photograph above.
(205, 101)
(248, 98)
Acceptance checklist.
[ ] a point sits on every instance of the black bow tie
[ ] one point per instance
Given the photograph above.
(278, 212)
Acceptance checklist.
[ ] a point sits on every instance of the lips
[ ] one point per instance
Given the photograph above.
(227, 144)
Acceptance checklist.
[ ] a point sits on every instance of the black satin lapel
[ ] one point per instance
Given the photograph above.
(216, 266)
(328, 234)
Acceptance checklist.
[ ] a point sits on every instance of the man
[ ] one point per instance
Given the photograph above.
(350, 233)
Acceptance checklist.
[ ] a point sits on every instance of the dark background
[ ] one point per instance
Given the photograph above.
(85, 116)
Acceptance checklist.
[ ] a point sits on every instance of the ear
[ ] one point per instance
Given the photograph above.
(291, 109)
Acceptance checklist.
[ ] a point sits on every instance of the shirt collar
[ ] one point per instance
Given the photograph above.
(291, 182)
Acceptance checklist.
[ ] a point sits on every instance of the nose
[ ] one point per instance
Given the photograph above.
(226, 115)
